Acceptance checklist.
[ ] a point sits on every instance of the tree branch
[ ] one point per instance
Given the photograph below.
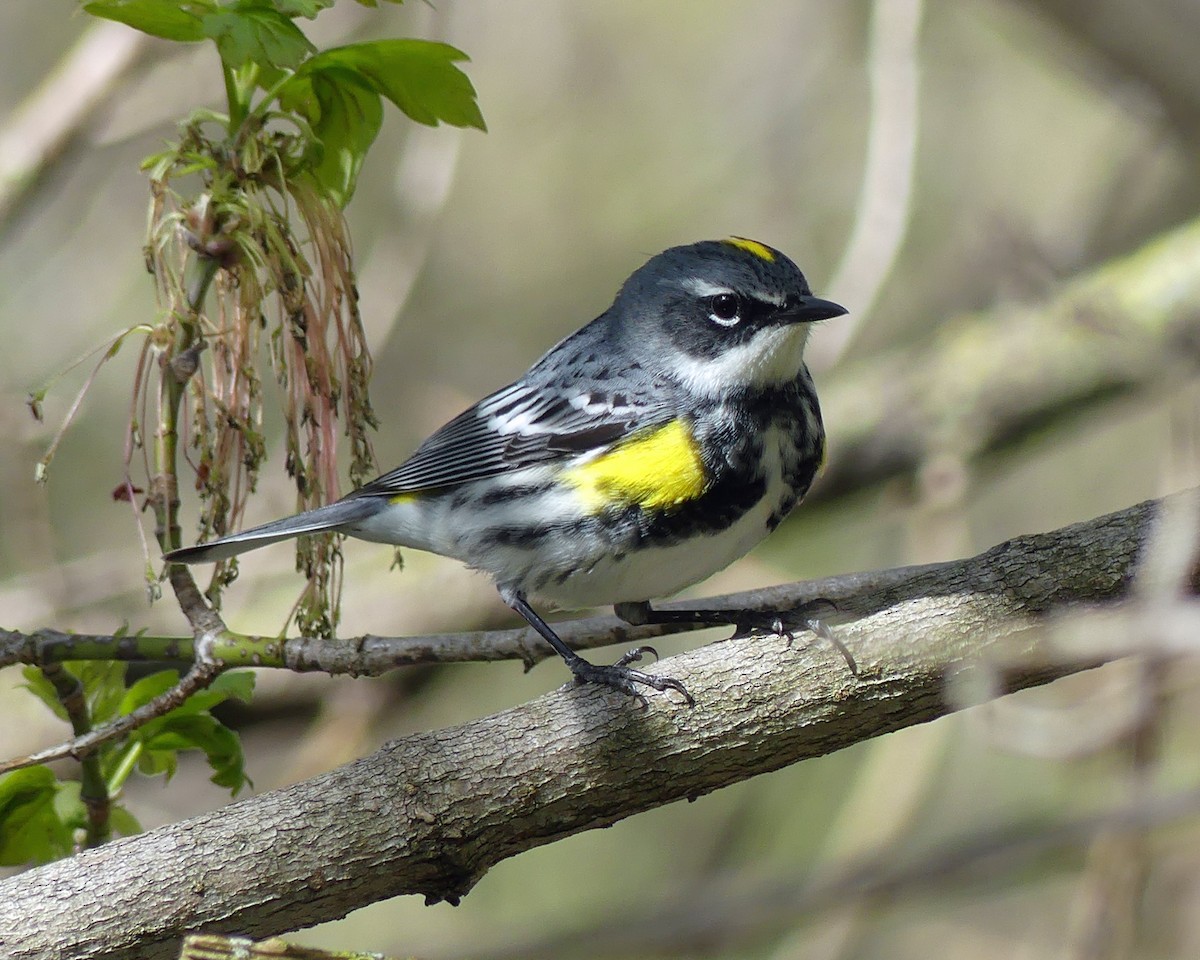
(371, 655)
(431, 813)
(86, 743)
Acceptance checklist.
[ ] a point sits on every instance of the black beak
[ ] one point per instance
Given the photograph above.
(808, 309)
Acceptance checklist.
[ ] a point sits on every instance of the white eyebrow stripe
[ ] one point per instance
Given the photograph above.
(702, 288)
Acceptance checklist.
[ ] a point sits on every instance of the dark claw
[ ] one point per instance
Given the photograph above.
(818, 627)
(822, 630)
(802, 618)
(750, 621)
(620, 677)
(635, 655)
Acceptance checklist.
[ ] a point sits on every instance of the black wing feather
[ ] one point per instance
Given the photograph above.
(514, 428)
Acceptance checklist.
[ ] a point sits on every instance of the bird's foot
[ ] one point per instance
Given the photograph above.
(619, 676)
(806, 617)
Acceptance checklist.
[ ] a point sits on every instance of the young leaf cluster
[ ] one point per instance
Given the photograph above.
(337, 94)
(43, 818)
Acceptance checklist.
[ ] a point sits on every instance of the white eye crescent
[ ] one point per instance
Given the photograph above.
(725, 309)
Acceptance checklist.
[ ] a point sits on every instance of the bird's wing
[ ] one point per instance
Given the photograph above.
(517, 427)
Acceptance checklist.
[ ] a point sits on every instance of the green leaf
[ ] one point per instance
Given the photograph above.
(69, 807)
(418, 76)
(103, 685)
(301, 8)
(344, 115)
(180, 20)
(249, 33)
(31, 830)
(224, 754)
(123, 822)
(349, 120)
(222, 748)
(158, 763)
(188, 727)
(337, 92)
(147, 689)
(117, 761)
(37, 684)
(235, 684)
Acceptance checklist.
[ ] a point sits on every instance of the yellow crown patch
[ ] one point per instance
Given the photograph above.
(760, 250)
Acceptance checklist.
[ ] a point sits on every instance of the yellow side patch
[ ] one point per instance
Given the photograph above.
(653, 469)
(408, 497)
(760, 250)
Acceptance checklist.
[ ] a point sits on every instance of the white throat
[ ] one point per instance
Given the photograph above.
(772, 357)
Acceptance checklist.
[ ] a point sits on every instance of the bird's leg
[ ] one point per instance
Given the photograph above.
(619, 675)
(803, 617)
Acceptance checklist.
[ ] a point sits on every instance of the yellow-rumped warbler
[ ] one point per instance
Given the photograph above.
(641, 454)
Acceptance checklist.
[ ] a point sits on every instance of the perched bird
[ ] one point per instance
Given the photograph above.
(644, 452)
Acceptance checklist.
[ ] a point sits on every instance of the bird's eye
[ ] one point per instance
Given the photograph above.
(725, 309)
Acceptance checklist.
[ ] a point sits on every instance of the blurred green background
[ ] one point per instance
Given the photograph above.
(1050, 137)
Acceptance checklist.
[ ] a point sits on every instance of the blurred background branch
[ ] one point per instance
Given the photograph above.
(1011, 374)
(1153, 46)
(885, 198)
(34, 136)
(736, 912)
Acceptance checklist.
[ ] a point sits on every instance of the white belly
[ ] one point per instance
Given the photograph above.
(655, 572)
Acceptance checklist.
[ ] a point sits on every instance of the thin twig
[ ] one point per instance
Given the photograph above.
(82, 746)
(93, 790)
(371, 655)
(1101, 631)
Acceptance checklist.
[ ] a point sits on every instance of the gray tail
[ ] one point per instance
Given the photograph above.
(329, 517)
